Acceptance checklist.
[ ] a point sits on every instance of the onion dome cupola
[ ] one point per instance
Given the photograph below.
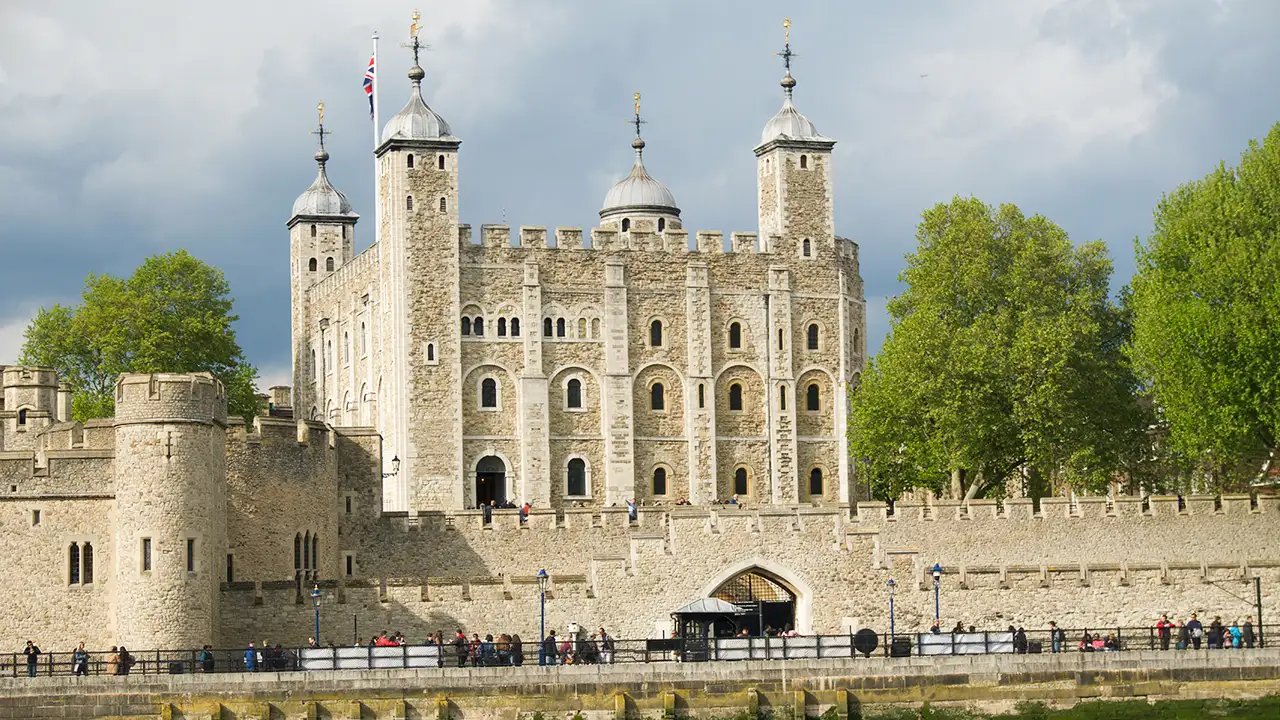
(789, 126)
(417, 123)
(322, 201)
(639, 196)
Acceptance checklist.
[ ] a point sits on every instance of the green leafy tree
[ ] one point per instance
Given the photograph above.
(172, 315)
(1206, 303)
(1004, 354)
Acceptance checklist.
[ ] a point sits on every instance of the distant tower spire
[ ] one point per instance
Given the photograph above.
(788, 82)
(322, 155)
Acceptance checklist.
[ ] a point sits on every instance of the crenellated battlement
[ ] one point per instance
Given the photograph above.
(608, 238)
(342, 279)
(1061, 510)
(163, 397)
(275, 432)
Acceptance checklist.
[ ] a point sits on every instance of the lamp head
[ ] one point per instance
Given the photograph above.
(543, 578)
(315, 595)
(892, 586)
(937, 572)
(395, 464)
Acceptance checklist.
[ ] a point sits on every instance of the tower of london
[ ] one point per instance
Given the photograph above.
(671, 404)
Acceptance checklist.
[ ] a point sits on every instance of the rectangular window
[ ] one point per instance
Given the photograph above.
(231, 567)
(351, 564)
(191, 555)
(348, 499)
(35, 518)
(146, 554)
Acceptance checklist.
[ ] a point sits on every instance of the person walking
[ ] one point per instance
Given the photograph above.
(1215, 633)
(1164, 629)
(113, 661)
(1196, 629)
(80, 660)
(1247, 632)
(206, 659)
(1057, 638)
(251, 659)
(1184, 636)
(517, 650)
(460, 647)
(126, 661)
(549, 650)
(606, 647)
(32, 651)
(1236, 636)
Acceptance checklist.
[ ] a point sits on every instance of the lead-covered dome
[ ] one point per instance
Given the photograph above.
(639, 191)
(416, 121)
(322, 198)
(789, 124)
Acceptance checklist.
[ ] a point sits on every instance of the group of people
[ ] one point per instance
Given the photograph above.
(1217, 636)
(598, 648)
(265, 658)
(119, 660)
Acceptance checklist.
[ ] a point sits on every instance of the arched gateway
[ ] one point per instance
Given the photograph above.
(491, 480)
(775, 596)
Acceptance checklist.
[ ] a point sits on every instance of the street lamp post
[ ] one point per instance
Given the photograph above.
(937, 602)
(892, 589)
(543, 578)
(315, 601)
(395, 467)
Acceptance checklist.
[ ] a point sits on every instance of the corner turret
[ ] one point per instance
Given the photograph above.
(638, 200)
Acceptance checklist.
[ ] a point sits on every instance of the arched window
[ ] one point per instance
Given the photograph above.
(328, 264)
(804, 162)
(489, 393)
(655, 333)
(662, 224)
(22, 417)
(441, 163)
(306, 552)
(582, 328)
(431, 352)
(315, 556)
(573, 394)
(626, 224)
(815, 482)
(595, 328)
(515, 327)
(576, 478)
(408, 161)
(813, 336)
(740, 481)
(313, 229)
(408, 203)
(813, 398)
(444, 205)
(313, 365)
(560, 327)
(735, 336)
(659, 481)
(73, 564)
(477, 326)
(86, 564)
(502, 327)
(466, 326)
(364, 340)
(855, 340)
(782, 397)
(657, 397)
(806, 248)
(297, 552)
(735, 397)
(312, 265)
(546, 327)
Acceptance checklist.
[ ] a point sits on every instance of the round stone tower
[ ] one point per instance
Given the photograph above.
(171, 509)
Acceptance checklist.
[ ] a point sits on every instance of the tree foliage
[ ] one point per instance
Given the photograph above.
(1004, 353)
(172, 315)
(1207, 309)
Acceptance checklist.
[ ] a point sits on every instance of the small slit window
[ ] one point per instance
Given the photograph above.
(440, 163)
(408, 161)
(35, 518)
(22, 417)
(659, 481)
(813, 336)
(312, 265)
(351, 565)
(489, 393)
(735, 397)
(328, 264)
(231, 567)
(73, 564)
(779, 338)
(573, 394)
(735, 336)
(626, 224)
(855, 341)
(815, 482)
(444, 205)
(657, 397)
(576, 478)
(782, 397)
(431, 352)
(806, 248)
(804, 162)
(813, 398)
(86, 564)
(146, 554)
(740, 481)
(191, 555)
(313, 229)
(408, 203)
(702, 395)
(655, 333)
(662, 224)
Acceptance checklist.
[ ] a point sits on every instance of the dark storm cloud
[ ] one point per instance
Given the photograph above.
(129, 130)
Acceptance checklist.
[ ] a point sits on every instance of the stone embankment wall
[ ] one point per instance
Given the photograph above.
(776, 689)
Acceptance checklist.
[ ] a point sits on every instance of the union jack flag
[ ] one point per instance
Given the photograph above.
(368, 85)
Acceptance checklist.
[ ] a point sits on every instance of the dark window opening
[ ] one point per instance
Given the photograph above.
(73, 564)
(813, 336)
(146, 554)
(659, 481)
(655, 333)
(702, 395)
(328, 264)
(577, 481)
(489, 393)
(574, 394)
(477, 327)
(441, 162)
(813, 399)
(782, 397)
(502, 327)
(657, 397)
(408, 203)
(560, 327)
(546, 327)
(444, 205)
(735, 336)
(86, 563)
(515, 327)
(431, 352)
(313, 230)
(22, 417)
(350, 566)
(740, 481)
(815, 482)
(409, 160)
(466, 326)
(348, 504)
(231, 568)
(804, 162)
(626, 224)
(191, 555)
(806, 248)
(312, 265)
(735, 397)
(662, 224)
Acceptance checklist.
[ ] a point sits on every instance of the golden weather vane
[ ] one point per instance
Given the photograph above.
(415, 27)
(637, 98)
(320, 111)
(786, 29)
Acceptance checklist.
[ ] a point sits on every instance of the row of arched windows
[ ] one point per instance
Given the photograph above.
(587, 329)
(306, 557)
(328, 264)
(578, 480)
(408, 161)
(80, 564)
(474, 326)
(626, 224)
(812, 395)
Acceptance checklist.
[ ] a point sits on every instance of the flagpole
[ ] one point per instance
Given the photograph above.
(377, 129)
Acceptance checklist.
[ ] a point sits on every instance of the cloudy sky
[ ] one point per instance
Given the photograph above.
(135, 127)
